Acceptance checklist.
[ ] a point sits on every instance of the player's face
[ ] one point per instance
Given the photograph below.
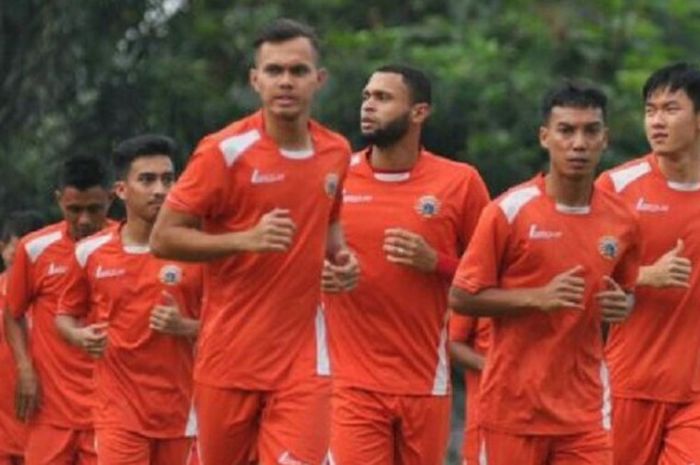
(147, 183)
(8, 251)
(286, 77)
(670, 122)
(85, 211)
(386, 108)
(575, 139)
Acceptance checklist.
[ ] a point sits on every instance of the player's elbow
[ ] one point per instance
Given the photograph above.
(159, 244)
(461, 302)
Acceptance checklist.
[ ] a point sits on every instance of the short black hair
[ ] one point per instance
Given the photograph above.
(129, 150)
(284, 29)
(573, 95)
(417, 81)
(83, 172)
(20, 223)
(674, 77)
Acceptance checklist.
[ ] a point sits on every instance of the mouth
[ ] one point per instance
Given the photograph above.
(285, 99)
(578, 162)
(659, 137)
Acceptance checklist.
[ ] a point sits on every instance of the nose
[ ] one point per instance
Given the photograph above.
(160, 188)
(579, 141)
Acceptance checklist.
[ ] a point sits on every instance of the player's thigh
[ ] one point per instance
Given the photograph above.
(176, 451)
(228, 423)
(637, 431)
(682, 442)
(590, 448)
(120, 447)
(499, 448)
(295, 424)
(362, 428)
(424, 429)
(49, 445)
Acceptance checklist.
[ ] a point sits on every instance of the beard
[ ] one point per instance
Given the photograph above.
(388, 134)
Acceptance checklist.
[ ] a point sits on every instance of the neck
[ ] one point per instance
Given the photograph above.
(136, 231)
(289, 134)
(681, 166)
(401, 156)
(567, 191)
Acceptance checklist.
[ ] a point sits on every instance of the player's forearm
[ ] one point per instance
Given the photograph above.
(646, 276)
(190, 244)
(335, 241)
(465, 356)
(68, 327)
(16, 335)
(493, 301)
(188, 327)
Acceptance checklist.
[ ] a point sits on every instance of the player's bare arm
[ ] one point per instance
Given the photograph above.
(28, 388)
(670, 270)
(91, 338)
(166, 318)
(564, 291)
(465, 356)
(341, 270)
(410, 249)
(177, 236)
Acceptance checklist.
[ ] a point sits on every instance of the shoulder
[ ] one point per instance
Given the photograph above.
(329, 139)
(37, 242)
(233, 141)
(627, 174)
(88, 246)
(512, 202)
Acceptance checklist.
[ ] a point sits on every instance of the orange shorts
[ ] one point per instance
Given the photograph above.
(119, 447)
(51, 445)
(10, 459)
(372, 428)
(647, 432)
(591, 448)
(286, 426)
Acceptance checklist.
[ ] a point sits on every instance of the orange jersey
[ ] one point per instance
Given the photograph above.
(35, 281)
(262, 318)
(390, 333)
(655, 355)
(544, 372)
(144, 380)
(13, 434)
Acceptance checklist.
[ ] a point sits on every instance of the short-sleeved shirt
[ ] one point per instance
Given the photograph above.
(655, 355)
(144, 380)
(389, 334)
(13, 433)
(35, 282)
(545, 371)
(262, 324)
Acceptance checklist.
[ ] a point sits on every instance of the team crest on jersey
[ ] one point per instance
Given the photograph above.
(608, 247)
(428, 206)
(170, 274)
(331, 184)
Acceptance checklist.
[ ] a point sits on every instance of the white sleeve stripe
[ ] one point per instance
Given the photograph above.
(37, 246)
(233, 147)
(624, 177)
(86, 248)
(513, 202)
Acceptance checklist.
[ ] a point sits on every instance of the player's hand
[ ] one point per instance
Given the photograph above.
(670, 270)
(166, 317)
(615, 303)
(92, 339)
(409, 249)
(341, 272)
(565, 290)
(273, 233)
(27, 393)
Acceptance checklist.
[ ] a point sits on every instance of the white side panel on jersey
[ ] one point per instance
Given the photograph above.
(442, 372)
(235, 146)
(323, 361)
(483, 459)
(513, 202)
(37, 246)
(622, 178)
(355, 159)
(191, 427)
(88, 246)
(607, 398)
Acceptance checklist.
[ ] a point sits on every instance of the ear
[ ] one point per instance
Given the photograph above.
(120, 189)
(606, 136)
(544, 135)
(420, 112)
(253, 79)
(322, 76)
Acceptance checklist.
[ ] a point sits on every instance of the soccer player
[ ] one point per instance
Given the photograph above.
(54, 391)
(406, 211)
(550, 260)
(259, 201)
(13, 433)
(136, 314)
(469, 341)
(654, 357)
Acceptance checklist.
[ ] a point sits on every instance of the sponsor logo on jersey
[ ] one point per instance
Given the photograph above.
(644, 206)
(608, 247)
(56, 269)
(170, 275)
(356, 198)
(428, 206)
(330, 185)
(536, 233)
(265, 178)
(102, 273)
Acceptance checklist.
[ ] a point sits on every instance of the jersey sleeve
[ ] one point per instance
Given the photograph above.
(479, 267)
(605, 183)
(477, 197)
(461, 327)
(201, 189)
(627, 270)
(20, 283)
(338, 200)
(75, 298)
